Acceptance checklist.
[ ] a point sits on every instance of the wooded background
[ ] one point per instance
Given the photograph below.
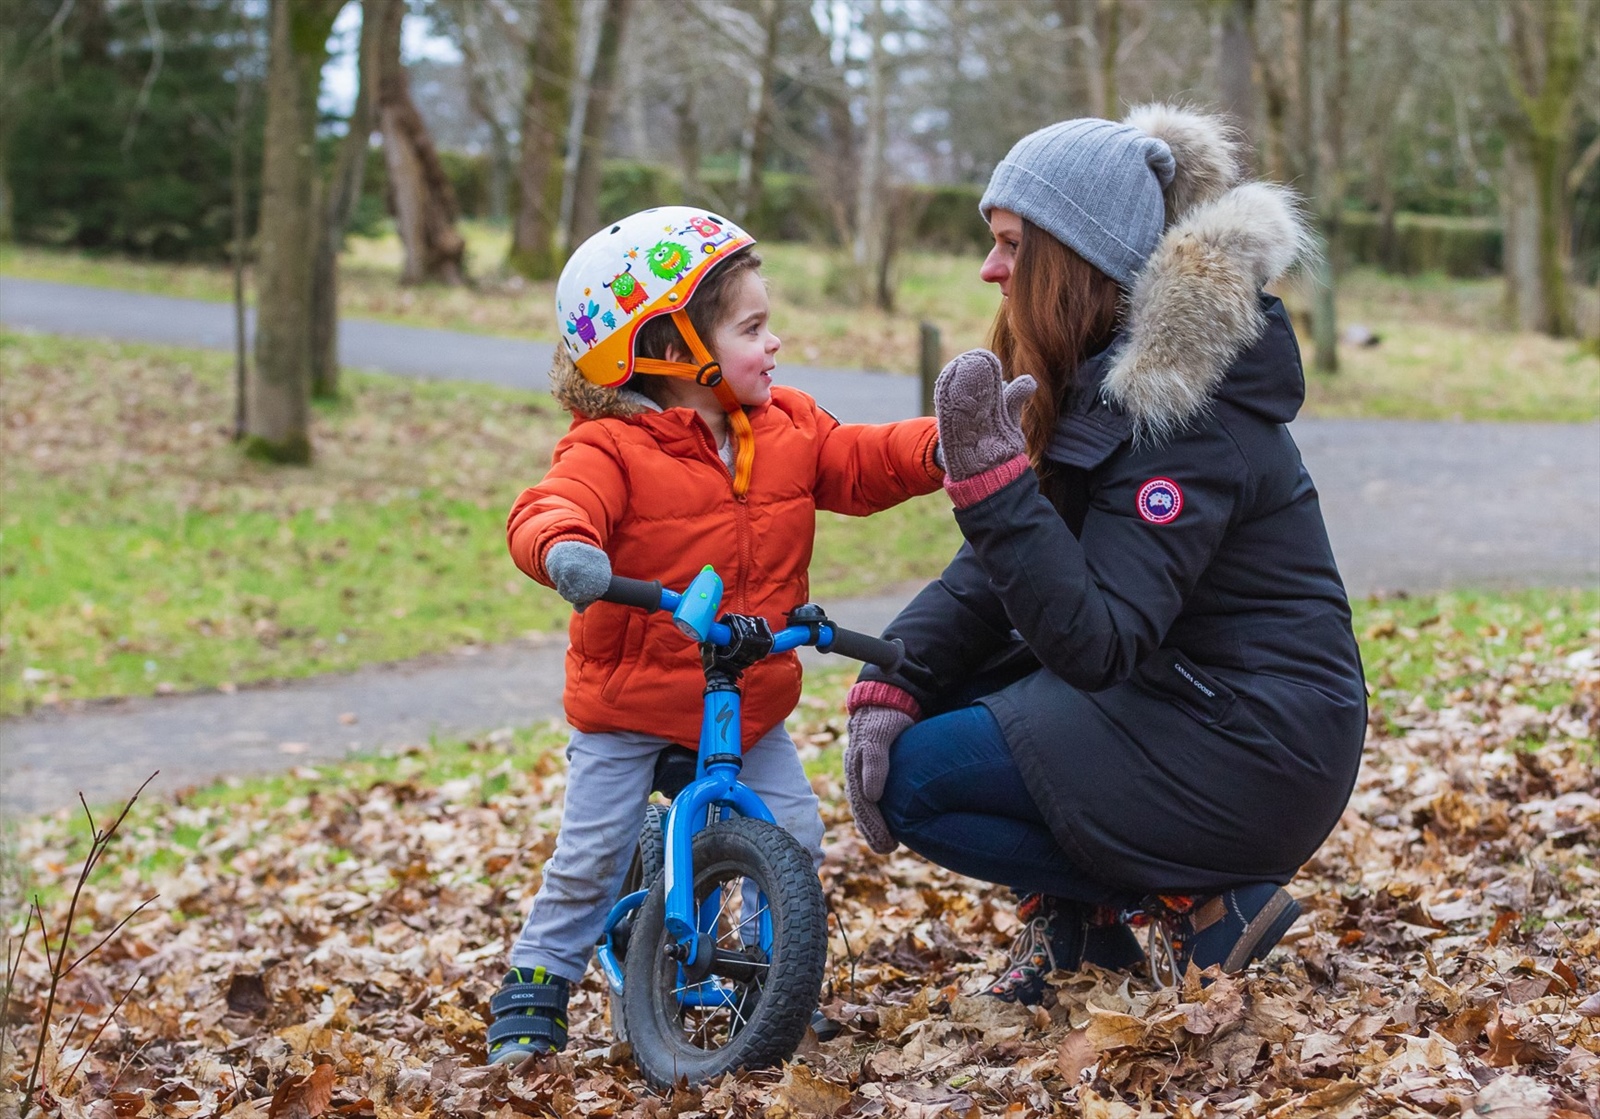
(1451, 135)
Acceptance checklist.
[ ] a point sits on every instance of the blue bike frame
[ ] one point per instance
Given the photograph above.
(715, 793)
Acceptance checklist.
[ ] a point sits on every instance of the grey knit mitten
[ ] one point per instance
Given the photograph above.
(980, 416)
(581, 572)
(871, 730)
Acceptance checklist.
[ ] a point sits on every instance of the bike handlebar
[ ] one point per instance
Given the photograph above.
(831, 638)
(887, 655)
(633, 592)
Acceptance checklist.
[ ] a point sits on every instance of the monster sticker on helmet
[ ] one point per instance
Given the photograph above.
(581, 322)
(629, 293)
(669, 260)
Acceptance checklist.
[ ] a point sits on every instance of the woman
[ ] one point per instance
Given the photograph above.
(1134, 695)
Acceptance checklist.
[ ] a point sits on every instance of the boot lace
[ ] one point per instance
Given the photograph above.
(1167, 928)
(1031, 954)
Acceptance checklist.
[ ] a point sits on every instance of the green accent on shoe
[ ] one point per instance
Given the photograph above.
(530, 1015)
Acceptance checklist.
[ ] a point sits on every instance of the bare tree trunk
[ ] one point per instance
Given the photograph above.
(758, 115)
(1388, 203)
(1100, 30)
(480, 99)
(1076, 82)
(1545, 48)
(241, 247)
(1236, 78)
(1519, 215)
(599, 90)
(1276, 159)
(1317, 180)
(424, 201)
(872, 219)
(688, 131)
(342, 193)
(1108, 28)
(552, 59)
(279, 394)
(7, 229)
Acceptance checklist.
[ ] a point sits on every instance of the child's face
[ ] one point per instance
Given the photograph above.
(743, 345)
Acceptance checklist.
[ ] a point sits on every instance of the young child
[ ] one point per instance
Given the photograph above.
(682, 453)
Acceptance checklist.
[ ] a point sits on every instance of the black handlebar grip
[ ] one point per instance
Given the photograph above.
(887, 655)
(633, 592)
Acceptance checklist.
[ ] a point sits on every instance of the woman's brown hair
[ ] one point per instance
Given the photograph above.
(1061, 310)
(707, 309)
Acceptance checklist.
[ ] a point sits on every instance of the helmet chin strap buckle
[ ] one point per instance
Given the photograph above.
(709, 374)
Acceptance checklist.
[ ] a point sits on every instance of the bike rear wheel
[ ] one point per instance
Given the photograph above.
(761, 904)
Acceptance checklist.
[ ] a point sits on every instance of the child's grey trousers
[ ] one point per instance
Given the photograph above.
(608, 785)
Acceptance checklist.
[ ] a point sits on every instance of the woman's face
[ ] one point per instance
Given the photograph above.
(1006, 228)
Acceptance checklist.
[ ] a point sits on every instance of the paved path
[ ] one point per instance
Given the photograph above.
(106, 750)
(410, 351)
(1410, 506)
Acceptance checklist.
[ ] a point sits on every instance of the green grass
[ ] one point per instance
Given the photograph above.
(117, 598)
(1452, 646)
(1443, 357)
(1443, 354)
(141, 552)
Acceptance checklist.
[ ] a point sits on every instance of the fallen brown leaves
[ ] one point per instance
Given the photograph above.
(334, 955)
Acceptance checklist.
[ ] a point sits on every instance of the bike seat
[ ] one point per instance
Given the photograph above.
(674, 770)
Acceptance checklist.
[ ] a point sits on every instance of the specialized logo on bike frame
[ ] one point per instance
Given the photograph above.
(1160, 501)
(724, 721)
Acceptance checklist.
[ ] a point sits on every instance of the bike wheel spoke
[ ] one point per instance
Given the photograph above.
(712, 1022)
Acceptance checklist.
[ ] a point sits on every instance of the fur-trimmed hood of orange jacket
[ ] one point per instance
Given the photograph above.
(648, 486)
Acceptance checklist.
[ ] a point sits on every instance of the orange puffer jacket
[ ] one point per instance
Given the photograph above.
(650, 489)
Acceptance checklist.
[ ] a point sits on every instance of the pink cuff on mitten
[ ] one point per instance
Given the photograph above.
(876, 693)
(970, 491)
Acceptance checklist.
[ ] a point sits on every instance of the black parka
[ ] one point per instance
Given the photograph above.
(1182, 693)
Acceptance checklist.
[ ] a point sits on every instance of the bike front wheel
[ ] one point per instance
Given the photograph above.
(759, 902)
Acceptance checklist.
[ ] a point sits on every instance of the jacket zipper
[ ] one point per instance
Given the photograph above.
(746, 558)
(741, 596)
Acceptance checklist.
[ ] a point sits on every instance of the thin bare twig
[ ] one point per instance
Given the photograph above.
(12, 965)
(114, 930)
(157, 52)
(103, 1025)
(99, 842)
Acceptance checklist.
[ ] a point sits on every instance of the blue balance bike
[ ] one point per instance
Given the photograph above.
(716, 950)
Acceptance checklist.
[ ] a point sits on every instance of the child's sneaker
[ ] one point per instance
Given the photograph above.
(1229, 929)
(530, 1015)
(1062, 934)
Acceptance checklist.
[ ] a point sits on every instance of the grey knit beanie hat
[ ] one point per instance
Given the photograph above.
(1094, 185)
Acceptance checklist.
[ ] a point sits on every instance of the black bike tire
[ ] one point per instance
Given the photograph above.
(648, 862)
(775, 860)
(652, 846)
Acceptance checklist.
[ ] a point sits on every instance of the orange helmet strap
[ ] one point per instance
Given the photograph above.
(709, 373)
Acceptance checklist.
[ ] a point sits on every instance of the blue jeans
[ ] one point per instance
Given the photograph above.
(956, 797)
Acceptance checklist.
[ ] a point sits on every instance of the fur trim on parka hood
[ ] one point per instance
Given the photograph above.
(1195, 306)
(583, 398)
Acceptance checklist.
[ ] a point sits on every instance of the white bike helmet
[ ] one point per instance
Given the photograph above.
(649, 264)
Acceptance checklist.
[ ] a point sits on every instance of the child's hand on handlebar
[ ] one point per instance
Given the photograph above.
(581, 572)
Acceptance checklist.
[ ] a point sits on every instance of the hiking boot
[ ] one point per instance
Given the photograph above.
(1229, 929)
(1057, 933)
(530, 1015)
